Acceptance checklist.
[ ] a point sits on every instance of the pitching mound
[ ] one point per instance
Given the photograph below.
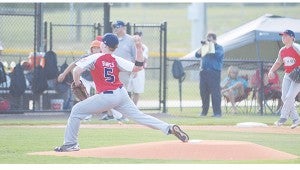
(176, 150)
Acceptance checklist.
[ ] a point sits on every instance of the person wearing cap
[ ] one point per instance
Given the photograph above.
(99, 38)
(289, 57)
(136, 84)
(86, 77)
(126, 50)
(110, 93)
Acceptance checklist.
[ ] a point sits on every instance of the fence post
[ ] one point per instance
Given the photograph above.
(128, 28)
(98, 29)
(164, 28)
(107, 24)
(45, 39)
(35, 45)
(39, 25)
(261, 90)
(51, 37)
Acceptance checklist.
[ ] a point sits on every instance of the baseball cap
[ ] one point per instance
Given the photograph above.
(95, 43)
(99, 38)
(118, 24)
(111, 40)
(288, 32)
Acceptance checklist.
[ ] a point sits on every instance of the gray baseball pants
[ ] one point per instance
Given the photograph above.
(290, 89)
(116, 99)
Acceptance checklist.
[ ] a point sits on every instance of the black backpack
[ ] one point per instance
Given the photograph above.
(2, 73)
(178, 71)
(18, 83)
(51, 70)
(39, 81)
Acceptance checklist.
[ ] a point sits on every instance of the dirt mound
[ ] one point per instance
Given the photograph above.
(176, 150)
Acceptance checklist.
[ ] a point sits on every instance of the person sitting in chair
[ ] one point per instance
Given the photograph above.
(233, 86)
(271, 87)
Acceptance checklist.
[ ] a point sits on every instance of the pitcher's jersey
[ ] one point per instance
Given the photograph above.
(105, 70)
(290, 57)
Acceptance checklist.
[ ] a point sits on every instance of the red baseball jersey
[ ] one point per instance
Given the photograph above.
(105, 70)
(290, 57)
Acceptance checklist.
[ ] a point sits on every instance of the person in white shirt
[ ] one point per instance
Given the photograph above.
(136, 83)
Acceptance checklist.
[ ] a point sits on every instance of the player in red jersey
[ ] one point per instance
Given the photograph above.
(110, 93)
(289, 56)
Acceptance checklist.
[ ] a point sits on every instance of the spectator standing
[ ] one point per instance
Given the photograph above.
(212, 55)
(289, 57)
(233, 86)
(126, 50)
(136, 84)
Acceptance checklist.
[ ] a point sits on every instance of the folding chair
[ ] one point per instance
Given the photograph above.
(274, 96)
(240, 102)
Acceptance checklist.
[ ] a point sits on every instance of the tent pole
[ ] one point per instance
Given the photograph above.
(262, 102)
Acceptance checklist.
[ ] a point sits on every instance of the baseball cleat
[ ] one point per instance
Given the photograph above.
(179, 133)
(280, 122)
(295, 124)
(67, 148)
(107, 117)
(277, 123)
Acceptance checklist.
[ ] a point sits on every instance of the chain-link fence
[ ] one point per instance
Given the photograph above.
(68, 31)
(69, 28)
(257, 101)
(17, 37)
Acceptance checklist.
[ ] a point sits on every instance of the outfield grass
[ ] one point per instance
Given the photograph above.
(188, 116)
(16, 142)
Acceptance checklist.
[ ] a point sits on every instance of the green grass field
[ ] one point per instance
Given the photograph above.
(17, 141)
(46, 139)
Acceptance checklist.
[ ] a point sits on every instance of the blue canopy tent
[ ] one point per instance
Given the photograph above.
(257, 39)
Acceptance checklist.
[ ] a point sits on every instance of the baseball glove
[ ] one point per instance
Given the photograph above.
(295, 75)
(79, 92)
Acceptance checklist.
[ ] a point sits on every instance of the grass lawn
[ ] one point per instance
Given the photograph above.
(17, 141)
